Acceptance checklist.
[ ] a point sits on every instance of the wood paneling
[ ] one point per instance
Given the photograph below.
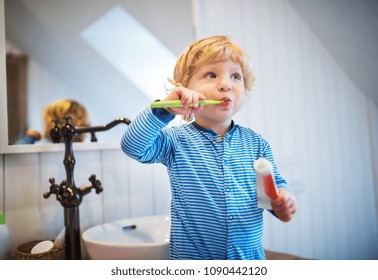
(316, 121)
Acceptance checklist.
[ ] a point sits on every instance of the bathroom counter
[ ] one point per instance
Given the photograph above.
(271, 255)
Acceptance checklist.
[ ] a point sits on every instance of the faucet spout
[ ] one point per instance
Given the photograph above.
(94, 129)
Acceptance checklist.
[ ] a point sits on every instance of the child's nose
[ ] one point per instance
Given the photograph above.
(224, 84)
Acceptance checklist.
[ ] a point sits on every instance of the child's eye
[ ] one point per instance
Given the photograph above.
(236, 76)
(211, 75)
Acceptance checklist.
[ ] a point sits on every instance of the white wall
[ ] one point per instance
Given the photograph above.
(322, 128)
(317, 122)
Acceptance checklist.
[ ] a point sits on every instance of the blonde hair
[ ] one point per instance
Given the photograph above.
(208, 50)
(62, 108)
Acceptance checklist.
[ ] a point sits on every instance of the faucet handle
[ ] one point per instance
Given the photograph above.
(55, 189)
(95, 184)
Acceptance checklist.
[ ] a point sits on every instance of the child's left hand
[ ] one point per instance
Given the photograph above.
(284, 206)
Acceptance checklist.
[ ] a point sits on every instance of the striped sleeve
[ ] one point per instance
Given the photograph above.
(144, 140)
(268, 154)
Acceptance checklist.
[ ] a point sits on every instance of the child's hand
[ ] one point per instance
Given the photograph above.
(187, 97)
(284, 206)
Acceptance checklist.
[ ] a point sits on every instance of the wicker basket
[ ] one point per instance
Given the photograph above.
(23, 252)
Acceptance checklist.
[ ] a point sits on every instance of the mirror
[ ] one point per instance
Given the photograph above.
(111, 56)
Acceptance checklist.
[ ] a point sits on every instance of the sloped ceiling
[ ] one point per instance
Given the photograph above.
(349, 30)
(49, 31)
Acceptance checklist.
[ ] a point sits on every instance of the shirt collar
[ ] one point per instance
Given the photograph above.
(233, 126)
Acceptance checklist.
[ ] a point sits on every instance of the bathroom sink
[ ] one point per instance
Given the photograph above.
(142, 238)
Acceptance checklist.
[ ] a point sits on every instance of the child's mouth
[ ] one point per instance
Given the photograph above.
(226, 102)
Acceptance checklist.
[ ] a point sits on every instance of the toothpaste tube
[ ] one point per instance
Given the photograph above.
(265, 184)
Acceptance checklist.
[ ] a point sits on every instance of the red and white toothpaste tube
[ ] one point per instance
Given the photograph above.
(265, 183)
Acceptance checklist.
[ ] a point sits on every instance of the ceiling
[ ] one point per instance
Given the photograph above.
(52, 33)
(349, 30)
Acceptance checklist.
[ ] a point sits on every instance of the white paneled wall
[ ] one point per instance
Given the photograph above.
(322, 128)
(373, 124)
(317, 122)
(130, 190)
(148, 186)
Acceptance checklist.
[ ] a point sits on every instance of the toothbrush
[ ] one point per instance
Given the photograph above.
(178, 104)
(264, 176)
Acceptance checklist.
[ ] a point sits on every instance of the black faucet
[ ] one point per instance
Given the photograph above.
(69, 196)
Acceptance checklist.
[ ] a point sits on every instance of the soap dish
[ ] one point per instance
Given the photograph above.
(23, 252)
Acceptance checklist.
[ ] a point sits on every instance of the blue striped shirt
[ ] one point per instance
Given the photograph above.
(214, 212)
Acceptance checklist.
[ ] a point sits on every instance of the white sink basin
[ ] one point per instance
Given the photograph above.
(143, 238)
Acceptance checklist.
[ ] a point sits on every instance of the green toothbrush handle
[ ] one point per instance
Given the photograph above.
(178, 104)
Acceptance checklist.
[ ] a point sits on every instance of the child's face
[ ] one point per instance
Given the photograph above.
(221, 80)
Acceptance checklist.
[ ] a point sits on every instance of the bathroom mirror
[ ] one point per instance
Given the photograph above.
(113, 57)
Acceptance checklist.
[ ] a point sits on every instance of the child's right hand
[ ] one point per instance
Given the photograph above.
(187, 97)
